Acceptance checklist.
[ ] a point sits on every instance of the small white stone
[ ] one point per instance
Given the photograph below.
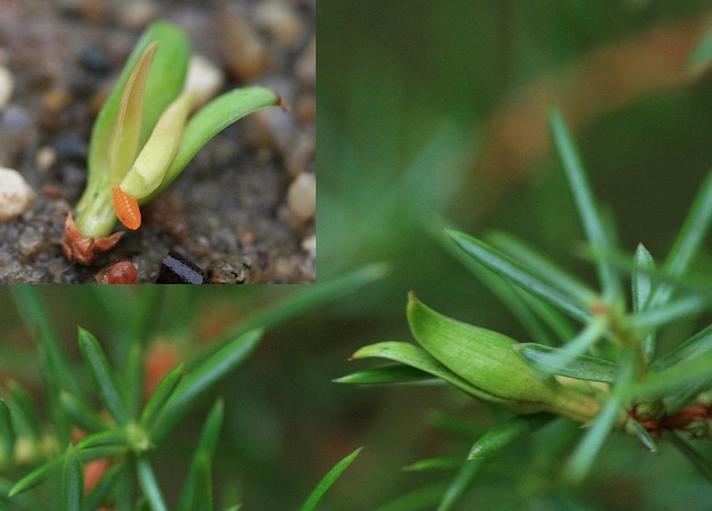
(6, 87)
(16, 196)
(205, 79)
(137, 13)
(309, 244)
(301, 197)
(46, 157)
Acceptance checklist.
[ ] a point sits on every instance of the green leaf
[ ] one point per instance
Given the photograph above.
(399, 373)
(505, 266)
(7, 430)
(25, 501)
(102, 489)
(160, 397)
(164, 83)
(198, 380)
(695, 346)
(329, 479)
(125, 136)
(483, 358)
(114, 437)
(24, 411)
(557, 322)
(73, 481)
(204, 486)
(541, 266)
(585, 453)
(641, 281)
(102, 376)
(149, 485)
(585, 203)
(211, 120)
(700, 463)
(151, 165)
(81, 415)
(132, 377)
(433, 464)
(659, 383)
(506, 292)
(658, 316)
(497, 439)
(701, 58)
(584, 367)
(203, 454)
(688, 241)
(460, 484)
(125, 494)
(418, 500)
(642, 287)
(643, 435)
(35, 477)
(29, 304)
(414, 356)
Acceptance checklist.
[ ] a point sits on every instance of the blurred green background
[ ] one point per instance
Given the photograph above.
(431, 109)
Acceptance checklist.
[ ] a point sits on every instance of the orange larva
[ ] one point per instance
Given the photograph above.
(126, 208)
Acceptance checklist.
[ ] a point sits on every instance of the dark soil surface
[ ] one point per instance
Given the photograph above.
(227, 213)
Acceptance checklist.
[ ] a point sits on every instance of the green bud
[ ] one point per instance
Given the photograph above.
(649, 410)
(699, 428)
(488, 361)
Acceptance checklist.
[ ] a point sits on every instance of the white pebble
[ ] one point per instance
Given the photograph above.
(16, 196)
(301, 197)
(46, 157)
(6, 87)
(205, 79)
(309, 244)
(137, 13)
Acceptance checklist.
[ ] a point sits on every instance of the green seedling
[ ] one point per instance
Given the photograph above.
(145, 136)
(608, 375)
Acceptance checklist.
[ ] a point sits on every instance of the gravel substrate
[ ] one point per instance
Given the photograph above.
(243, 209)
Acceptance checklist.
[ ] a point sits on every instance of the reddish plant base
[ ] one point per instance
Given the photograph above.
(83, 250)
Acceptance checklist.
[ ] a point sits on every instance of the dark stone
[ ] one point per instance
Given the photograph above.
(176, 269)
(95, 60)
(71, 147)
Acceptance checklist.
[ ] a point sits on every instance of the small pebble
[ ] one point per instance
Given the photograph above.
(300, 157)
(16, 118)
(305, 109)
(301, 197)
(205, 79)
(71, 147)
(6, 87)
(306, 65)
(30, 241)
(232, 270)
(309, 244)
(138, 13)
(270, 129)
(16, 196)
(281, 20)
(46, 158)
(244, 50)
(56, 99)
(94, 59)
